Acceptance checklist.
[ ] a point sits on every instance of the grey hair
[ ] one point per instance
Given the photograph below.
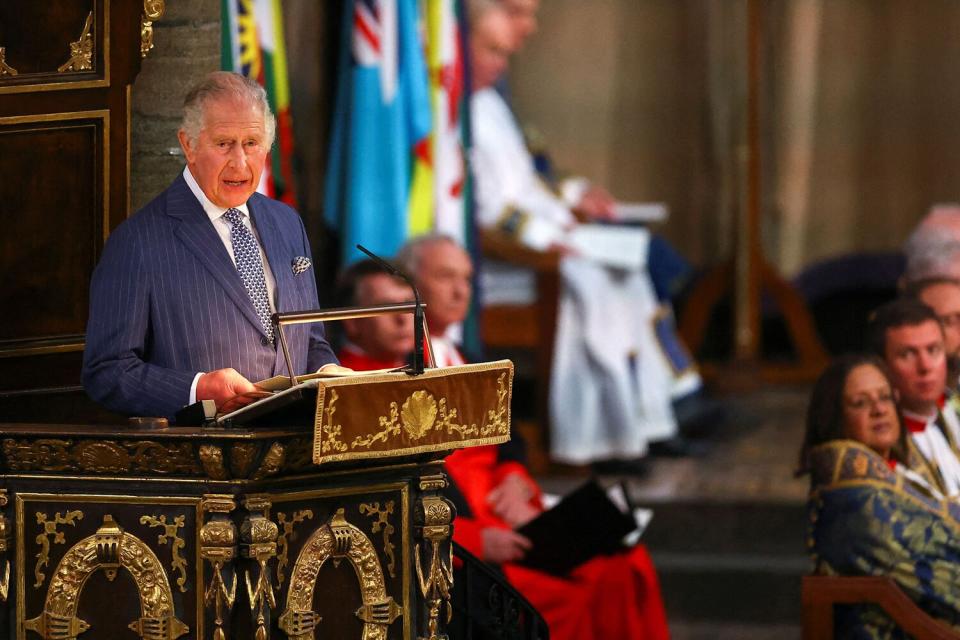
(224, 85)
(408, 258)
(931, 253)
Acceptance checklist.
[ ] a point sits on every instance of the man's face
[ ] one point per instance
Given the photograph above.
(491, 46)
(227, 157)
(523, 19)
(944, 299)
(445, 280)
(918, 363)
(388, 337)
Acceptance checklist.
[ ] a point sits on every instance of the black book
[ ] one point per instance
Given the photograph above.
(584, 524)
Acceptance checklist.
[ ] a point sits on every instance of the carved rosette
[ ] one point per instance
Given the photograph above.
(337, 540)
(4, 546)
(152, 11)
(81, 51)
(434, 518)
(258, 542)
(218, 546)
(110, 548)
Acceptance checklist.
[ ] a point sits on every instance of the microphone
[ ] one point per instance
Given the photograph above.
(417, 311)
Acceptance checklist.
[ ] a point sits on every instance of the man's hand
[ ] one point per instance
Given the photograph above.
(596, 204)
(332, 368)
(503, 545)
(510, 500)
(228, 389)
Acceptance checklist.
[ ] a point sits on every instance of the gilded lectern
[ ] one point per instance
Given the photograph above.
(330, 527)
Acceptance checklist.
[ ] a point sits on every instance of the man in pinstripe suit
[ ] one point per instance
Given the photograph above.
(179, 301)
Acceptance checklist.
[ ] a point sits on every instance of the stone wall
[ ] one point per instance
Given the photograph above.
(186, 47)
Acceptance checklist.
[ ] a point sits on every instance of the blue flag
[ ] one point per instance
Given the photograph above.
(382, 112)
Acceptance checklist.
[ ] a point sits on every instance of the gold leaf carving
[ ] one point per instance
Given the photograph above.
(76, 566)
(272, 461)
(436, 583)
(171, 532)
(81, 51)
(49, 528)
(259, 537)
(383, 520)
(152, 10)
(211, 456)
(299, 620)
(242, 455)
(100, 456)
(283, 546)
(218, 538)
(5, 69)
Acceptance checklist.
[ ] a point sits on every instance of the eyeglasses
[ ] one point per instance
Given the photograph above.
(950, 319)
(869, 402)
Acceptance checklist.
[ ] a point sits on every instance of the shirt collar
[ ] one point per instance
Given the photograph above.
(917, 423)
(213, 211)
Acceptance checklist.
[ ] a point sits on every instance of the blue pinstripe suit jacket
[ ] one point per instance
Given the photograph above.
(166, 302)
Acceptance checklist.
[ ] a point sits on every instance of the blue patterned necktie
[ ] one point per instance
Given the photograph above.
(246, 253)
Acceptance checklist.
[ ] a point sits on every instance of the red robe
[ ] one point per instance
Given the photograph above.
(353, 357)
(608, 597)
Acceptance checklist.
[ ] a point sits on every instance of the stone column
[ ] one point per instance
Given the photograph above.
(186, 47)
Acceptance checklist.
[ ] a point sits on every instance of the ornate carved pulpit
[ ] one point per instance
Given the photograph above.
(337, 528)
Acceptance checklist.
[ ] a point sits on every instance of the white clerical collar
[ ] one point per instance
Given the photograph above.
(213, 211)
(925, 419)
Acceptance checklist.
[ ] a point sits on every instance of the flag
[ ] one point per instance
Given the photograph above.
(381, 118)
(252, 44)
(439, 174)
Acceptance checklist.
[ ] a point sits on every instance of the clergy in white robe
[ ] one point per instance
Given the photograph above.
(612, 384)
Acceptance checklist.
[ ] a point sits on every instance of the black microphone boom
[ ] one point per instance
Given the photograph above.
(417, 311)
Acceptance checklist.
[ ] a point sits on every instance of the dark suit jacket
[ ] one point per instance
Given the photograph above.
(166, 302)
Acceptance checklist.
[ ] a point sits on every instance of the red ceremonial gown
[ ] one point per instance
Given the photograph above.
(607, 597)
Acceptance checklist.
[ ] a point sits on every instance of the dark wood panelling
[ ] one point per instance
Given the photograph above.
(47, 252)
(37, 39)
(64, 182)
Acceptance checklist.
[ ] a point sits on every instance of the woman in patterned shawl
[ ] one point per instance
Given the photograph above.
(874, 509)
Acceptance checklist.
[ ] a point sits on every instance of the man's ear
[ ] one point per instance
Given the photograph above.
(350, 328)
(185, 145)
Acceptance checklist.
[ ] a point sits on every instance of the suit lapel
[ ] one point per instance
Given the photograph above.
(197, 234)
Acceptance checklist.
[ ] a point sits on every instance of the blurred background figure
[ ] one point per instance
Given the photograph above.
(872, 506)
(381, 341)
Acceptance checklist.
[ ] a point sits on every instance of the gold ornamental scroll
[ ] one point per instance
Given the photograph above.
(394, 414)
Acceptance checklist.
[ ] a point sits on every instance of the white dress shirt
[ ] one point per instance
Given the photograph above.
(215, 213)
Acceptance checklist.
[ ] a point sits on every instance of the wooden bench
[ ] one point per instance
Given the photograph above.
(820, 593)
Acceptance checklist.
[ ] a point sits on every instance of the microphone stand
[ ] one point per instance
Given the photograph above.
(417, 368)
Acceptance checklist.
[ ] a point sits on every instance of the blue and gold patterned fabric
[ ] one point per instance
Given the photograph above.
(867, 520)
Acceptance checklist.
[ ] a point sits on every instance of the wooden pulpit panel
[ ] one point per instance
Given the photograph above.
(65, 74)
